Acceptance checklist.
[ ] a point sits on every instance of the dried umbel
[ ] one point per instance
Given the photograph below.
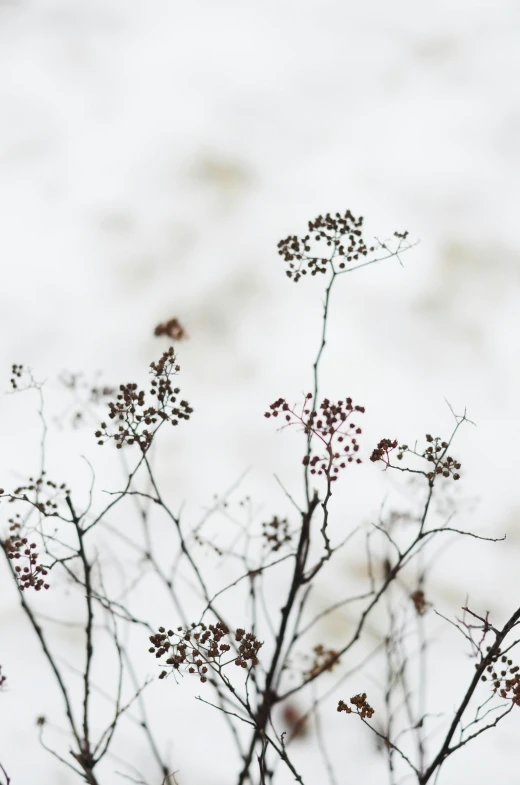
(137, 416)
(276, 533)
(383, 450)
(29, 573)
(202, 647)
(505, 677)
(435, 453)
(323, 660)
(361, 707)
(43, 494)
(172, 329)
(330, 237)
(329, 426)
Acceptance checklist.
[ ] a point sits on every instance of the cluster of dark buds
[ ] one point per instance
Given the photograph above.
(324, 660)
(3, 678)
(18, 547)
(201, 647)
(45, 493)
(435, 453)
(341, 234)
(419, 600)
(22, 379)
(172, 329)
(276, 533)
(137, 416)
(505, 677)
(16, 371)
(328, 426)
(383, 450)
(360, 704)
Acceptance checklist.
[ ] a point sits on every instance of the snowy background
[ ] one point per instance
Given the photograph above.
(153, 153)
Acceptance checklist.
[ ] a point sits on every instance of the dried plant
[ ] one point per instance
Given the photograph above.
(258, 670)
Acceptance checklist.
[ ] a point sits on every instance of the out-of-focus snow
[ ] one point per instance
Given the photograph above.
(151, 156)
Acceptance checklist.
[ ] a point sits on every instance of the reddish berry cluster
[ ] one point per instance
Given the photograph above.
(18, 547)
(200, 647)
(328, 425)
(137, 416)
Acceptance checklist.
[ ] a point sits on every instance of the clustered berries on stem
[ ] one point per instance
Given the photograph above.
(136, 415)
(276, 533)
(435, 453)
(342, 234)
(334, 244)
(324, 660)
(504, 676)
(200, 647)
(360, 704)
(329, 426)
(17, 546)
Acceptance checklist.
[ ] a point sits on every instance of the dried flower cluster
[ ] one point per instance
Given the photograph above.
(201, 647)
(334, 244)
(360, 704)
(435, 453)
(3, 678)
(137, 416)
(22, 379)
(276, 533)
(505, 677)
(16, 371)
(328, 426)
(341, 234)
(419, 600)
(172, 329)
(18, 547)
(383, 450)
(43, 494)
(324, 660)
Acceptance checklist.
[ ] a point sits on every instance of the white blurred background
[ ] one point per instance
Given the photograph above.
(152, 154)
